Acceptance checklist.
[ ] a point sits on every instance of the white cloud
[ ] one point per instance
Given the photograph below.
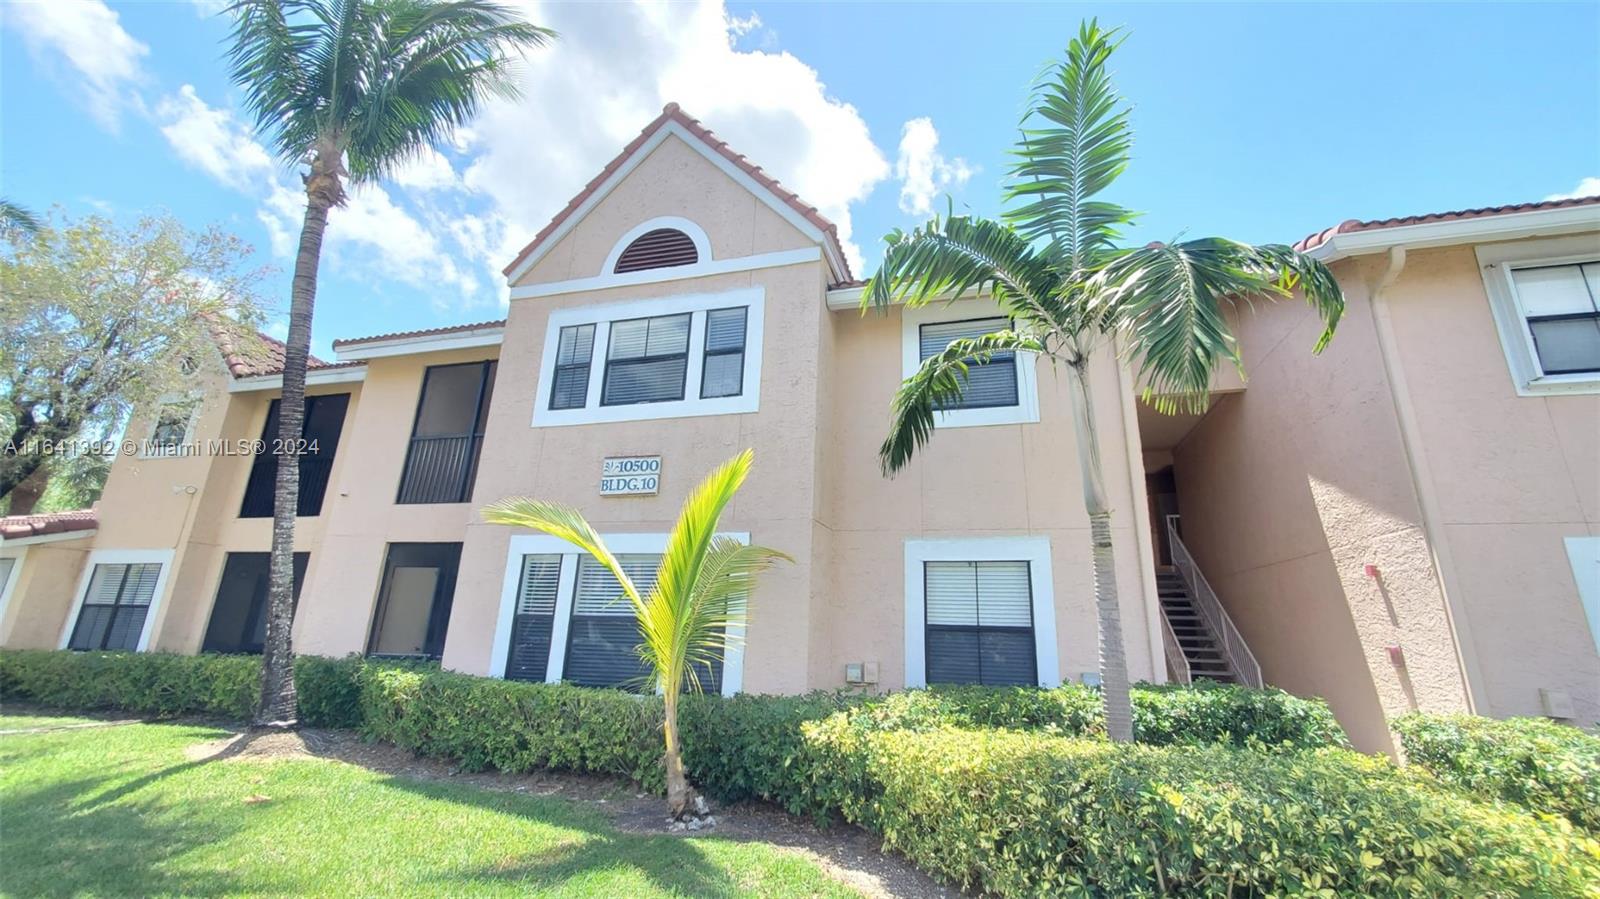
(213, 141)
(89, 37)
(1588, 187)
(587, 95)
(430, 170)
(923, 171)
(208, 8)
(278, 329)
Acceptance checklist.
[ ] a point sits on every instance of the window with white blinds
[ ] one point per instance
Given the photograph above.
(574, 353)
(1561, 304)
(534, 619)
(723, 371)
(601, 645)
(648, 361)
(115, 605)
(988, 385)
(979, 623)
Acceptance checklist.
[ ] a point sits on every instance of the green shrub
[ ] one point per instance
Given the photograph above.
(1539, 764)
(157, 684)
(329, 690)
(751, 747)
(1027, 814)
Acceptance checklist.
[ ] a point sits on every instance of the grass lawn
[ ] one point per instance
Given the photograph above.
(123, 811)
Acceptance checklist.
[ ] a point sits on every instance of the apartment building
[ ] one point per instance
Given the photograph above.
(685, 306)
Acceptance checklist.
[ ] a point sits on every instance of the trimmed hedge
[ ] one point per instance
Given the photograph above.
(1026, 814)
(1539, 764)
(163, 684)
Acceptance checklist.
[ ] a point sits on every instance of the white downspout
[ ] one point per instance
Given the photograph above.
(1421, 479)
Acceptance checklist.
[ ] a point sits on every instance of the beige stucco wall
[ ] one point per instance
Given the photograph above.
(40, 599)
(1511, 476)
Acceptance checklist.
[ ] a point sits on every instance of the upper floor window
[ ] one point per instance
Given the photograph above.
(662, 358)
(447, 434)
(170, 431)
(1563, 314)
(1545, 297)
(1003, 390)
(658, 248)
(324, 423)
(989, 384)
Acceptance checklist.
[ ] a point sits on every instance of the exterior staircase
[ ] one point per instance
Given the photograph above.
(1194, 637)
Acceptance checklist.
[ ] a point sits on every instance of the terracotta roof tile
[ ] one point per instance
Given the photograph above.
(673, 113)
(263, 355)
(18, 527)
(425, 332)
(1312, 241)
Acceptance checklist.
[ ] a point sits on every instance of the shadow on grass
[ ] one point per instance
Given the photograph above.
(672, 864)
(65, 839)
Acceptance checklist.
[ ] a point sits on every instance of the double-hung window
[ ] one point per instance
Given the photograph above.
(115, 605)
(647, 361)
(663, 358)
(1561, 304)
(170, 431)
(979, 623)
(1545, 298)
(565, 617)
(988, 384)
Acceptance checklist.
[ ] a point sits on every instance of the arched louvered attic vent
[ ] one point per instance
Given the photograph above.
(661, 248)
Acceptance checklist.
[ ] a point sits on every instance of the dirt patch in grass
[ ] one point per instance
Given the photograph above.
(849, 854)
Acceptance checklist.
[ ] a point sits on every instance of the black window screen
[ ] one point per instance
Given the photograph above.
(414, 600)
(239, 615)
(574, 352)
(115, 605)
(979, 623)
(447, 434)
(989, 385)
(601, 647)
(534, 619)
(324, 423)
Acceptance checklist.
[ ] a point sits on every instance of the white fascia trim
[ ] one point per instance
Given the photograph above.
(314, 378)
(1033, 550)
(695, 233)
(691, 405)
(1026, 411)
(1511, 226)
(433, 343)
(676, 273)
(58, 537)
(843, 298)
(1584, 554)
(122, 557)
(1495, 264)
(17, 555)
(543, 544)
(632, 162)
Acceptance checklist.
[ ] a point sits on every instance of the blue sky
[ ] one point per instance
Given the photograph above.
(1259, 122)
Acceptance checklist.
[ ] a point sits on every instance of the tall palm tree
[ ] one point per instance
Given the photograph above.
(351, 89)
(698, 597)
(1053, 266)
(17, 221)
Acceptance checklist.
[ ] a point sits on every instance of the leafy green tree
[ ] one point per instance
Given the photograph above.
(351, 89)
(1053, 264)
(699, 594)
(99, 320)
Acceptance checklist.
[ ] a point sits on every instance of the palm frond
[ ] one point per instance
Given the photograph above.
(1168, 300)
(940, 381)
(566, 523)
(1075, 141)
(948, 256)
(17, 221)
(681, 639)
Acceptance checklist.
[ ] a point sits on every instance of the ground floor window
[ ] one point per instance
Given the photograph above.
(564, 617)
(414, 598)
(115, 606)
(239, 615)
(980, 611)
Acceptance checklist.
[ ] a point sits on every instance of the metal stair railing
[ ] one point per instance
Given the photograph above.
(1177, 662)
(1228, 638)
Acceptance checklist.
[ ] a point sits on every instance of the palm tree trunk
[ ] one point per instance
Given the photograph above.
(1113, 664)
(677, 783)
(279, 707)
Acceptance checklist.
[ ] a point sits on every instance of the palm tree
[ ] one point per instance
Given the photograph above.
(1053, 266)
(17, 221)
(699, 594)
(351, 89)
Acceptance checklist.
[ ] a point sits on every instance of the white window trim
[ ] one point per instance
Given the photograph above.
(1584, 555)
(148, 448)
(1033, 550)
(691, 405)
(695, 233)
(163, 557)
(1496, 262)
(18, 555)
(1025, 411)
(619, 544)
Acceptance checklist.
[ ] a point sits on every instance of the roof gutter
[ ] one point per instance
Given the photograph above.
(353, 350)
(1510, 226)
(314, 377)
